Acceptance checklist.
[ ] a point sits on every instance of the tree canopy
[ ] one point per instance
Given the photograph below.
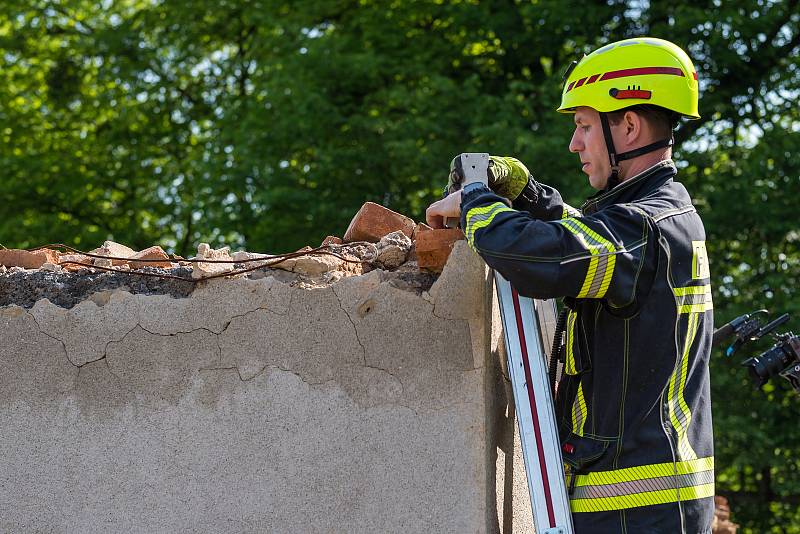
(265, 124)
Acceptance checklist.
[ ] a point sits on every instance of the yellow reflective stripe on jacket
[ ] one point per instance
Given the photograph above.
(693, 299)
(579, 412)
(679, 412)
(569, 366)
(481, 217)
(569, 211)
(643, 486)
(601, 263)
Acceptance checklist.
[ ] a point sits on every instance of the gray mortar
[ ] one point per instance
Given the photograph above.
(64, 289)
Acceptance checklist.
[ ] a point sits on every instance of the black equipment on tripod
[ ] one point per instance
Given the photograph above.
(783, 358)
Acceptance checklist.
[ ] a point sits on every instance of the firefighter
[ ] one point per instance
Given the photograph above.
(633, 404)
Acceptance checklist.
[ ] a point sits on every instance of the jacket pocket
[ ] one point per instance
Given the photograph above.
(581, 452)
(576, 358)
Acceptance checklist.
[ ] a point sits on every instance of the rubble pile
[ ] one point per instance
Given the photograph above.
(376, 238)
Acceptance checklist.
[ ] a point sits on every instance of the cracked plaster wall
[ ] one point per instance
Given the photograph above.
(256, 406)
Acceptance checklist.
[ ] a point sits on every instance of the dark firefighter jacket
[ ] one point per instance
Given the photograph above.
(633, 405)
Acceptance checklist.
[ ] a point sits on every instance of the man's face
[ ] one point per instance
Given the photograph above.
(588, 142)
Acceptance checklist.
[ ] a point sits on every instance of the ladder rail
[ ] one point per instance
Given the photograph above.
(527, 365)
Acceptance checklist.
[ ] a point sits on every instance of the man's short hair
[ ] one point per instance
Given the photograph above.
(661, 120)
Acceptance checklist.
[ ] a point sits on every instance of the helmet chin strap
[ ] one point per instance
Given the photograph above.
(614, 158)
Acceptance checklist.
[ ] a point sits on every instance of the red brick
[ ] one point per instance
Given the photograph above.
(12, 257)
(421, 227)
(373, 221)
(434, 247)
(64, 258)
(331, 240)
(152, 253)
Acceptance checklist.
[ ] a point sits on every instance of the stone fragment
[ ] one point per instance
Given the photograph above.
(374, 221)
(331, 240)
(103, 262)
(393, 249)
(205, 252)
(53, 267)
(152, 253)
(27, 260)
(247, 258)
(316, 264)
(70, 262)
(434, 247)
(2, 269)
(110, 248)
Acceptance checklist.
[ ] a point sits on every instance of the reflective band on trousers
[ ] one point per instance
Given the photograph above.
(643, 486)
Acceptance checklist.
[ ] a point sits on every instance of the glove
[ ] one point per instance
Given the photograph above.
(507, 177)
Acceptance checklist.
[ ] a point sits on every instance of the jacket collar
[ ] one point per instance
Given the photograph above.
(632, 189)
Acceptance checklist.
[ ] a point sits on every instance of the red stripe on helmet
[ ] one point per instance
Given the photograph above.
(592, 78)
(569, 88)
(579, 83)
(641, 71)
(622, 94)
(695, 75)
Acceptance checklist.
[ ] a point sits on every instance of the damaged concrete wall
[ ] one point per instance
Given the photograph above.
(372, 403)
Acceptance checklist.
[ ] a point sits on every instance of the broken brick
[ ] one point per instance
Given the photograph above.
(152, 253)
(374, 221)
(421, 227)
(27, 260)
(74, 262)
(433, 247)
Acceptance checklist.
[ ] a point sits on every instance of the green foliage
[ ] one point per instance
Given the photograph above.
(267, 123)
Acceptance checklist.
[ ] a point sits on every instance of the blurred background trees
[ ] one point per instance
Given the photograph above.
(265, 124)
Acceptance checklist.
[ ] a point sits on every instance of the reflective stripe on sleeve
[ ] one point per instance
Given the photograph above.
(693, 299)
(569, 211)
(643, 485)
(481, 217)
(601, 263)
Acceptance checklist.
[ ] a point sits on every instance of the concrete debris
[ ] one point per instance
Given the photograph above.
(152, 253)
(392, 250)
(374, 221)
(433, 247)
(331, 240)
(246, 258)
(377, 237)
(27, 260)
(110, 248)
(205, 252)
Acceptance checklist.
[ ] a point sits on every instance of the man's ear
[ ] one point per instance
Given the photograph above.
(634, 125)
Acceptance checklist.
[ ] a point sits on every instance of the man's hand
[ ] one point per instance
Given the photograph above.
(449, 206)
(507, 176)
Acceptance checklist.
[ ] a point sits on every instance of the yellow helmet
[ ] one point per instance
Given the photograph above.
(632, 72)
